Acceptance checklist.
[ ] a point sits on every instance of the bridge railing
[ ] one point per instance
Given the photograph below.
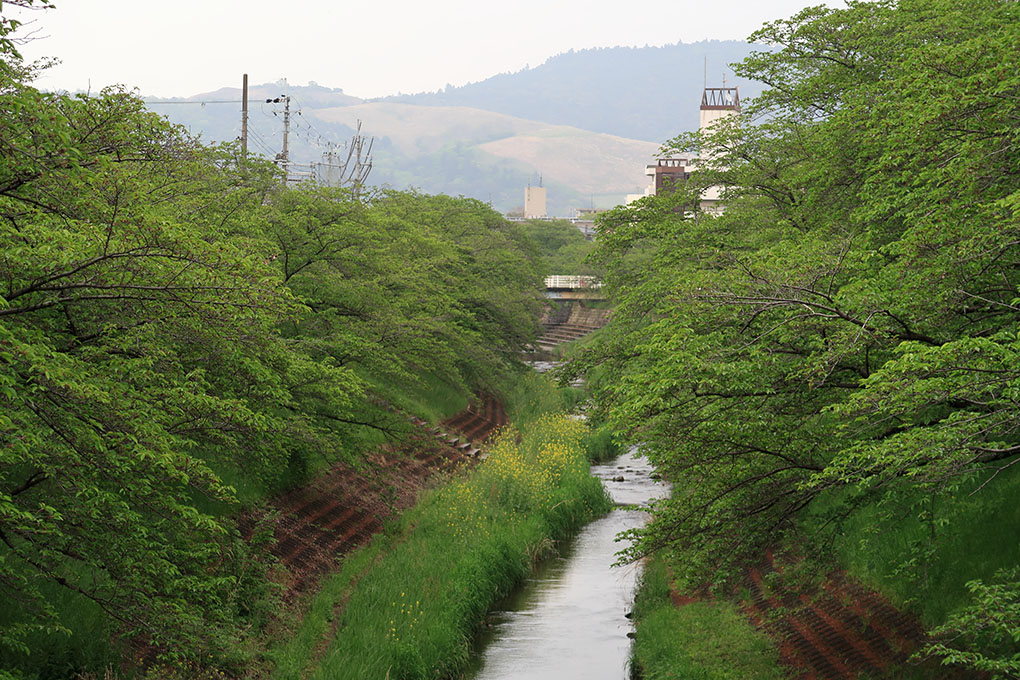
(561, 282)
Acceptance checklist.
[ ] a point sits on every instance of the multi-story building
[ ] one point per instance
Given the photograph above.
(534, 202)
(716, 103)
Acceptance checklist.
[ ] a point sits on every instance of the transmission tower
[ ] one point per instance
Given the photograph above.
(348, 165)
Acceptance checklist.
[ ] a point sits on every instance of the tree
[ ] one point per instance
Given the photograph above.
(563, 246)
(137, 353)
(850, 322)
(171, 317)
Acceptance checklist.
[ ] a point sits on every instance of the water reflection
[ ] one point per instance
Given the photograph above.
(568, 621)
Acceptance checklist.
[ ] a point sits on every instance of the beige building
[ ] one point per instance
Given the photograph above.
(534, 202)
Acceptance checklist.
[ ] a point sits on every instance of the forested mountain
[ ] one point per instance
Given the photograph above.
(649, 93)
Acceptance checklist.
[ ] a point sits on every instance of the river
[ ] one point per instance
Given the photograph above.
(568, 621)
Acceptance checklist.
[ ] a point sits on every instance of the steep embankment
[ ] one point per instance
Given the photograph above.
(410, 604)
(838, 630)
(315, 524)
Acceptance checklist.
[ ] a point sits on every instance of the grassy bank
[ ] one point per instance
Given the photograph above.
(414, 613)
(922, 550)
(698, 641)
(951, 556)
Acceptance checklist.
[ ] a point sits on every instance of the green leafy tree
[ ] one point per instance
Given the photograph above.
(850, 322)
(171, 317)
(137, 353)
(563, 246)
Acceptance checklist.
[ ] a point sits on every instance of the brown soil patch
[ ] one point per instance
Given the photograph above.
(340, 510)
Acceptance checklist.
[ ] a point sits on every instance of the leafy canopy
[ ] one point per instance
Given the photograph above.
(171, 316)
(850, 323)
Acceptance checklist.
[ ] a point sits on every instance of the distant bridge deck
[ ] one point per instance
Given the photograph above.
(561, 287)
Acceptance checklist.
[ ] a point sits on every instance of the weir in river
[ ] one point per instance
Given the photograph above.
(569, 620)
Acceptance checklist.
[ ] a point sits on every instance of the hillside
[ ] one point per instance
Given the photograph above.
(647, 93)
(577, 163)
(585, 122)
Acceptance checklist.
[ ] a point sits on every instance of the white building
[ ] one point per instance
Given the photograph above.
(717, 103)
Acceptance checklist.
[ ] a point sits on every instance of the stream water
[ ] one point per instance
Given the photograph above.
(569, 619)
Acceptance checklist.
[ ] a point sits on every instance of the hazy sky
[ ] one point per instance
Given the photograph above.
(369, 49)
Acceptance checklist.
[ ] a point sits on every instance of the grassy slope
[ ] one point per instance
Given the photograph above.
(920, 558)
(922, 551)
(698, 641)
(420, 590)
(55, 654)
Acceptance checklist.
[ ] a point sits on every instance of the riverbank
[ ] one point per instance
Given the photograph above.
(845, 612)
(408, 606)
(708, 640)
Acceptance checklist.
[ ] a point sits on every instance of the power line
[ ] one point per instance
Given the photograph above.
(148, 102)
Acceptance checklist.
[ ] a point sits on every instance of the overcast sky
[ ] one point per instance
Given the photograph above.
(371, 49)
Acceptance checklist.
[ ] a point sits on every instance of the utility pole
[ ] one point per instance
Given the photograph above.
(282, 158)
(244, 118)
(286, 132)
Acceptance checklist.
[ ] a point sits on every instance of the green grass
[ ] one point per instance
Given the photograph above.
(293, 653)
(533, 395)
(462, 548)
(56, 654)
(601, 445)
(698, 641)
(502, 553)
(426, 396)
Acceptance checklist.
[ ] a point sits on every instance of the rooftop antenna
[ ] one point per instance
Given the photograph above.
(539, 179)
(705, 83)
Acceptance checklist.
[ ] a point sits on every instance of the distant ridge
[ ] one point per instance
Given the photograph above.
(311, 95)
(586, 121)
(646, 93)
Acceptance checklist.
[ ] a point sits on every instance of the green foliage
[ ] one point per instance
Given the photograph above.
(601, 444)
(562, 246)
(922, 549)
(700, 640)
(850, 322)
(171, 318)
(136, 348)
(988, 625)
(533, 395)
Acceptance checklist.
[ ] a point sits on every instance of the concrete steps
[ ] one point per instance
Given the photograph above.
(560, 328)
(839, 631)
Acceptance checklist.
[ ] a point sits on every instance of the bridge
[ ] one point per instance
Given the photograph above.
(562, 287)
